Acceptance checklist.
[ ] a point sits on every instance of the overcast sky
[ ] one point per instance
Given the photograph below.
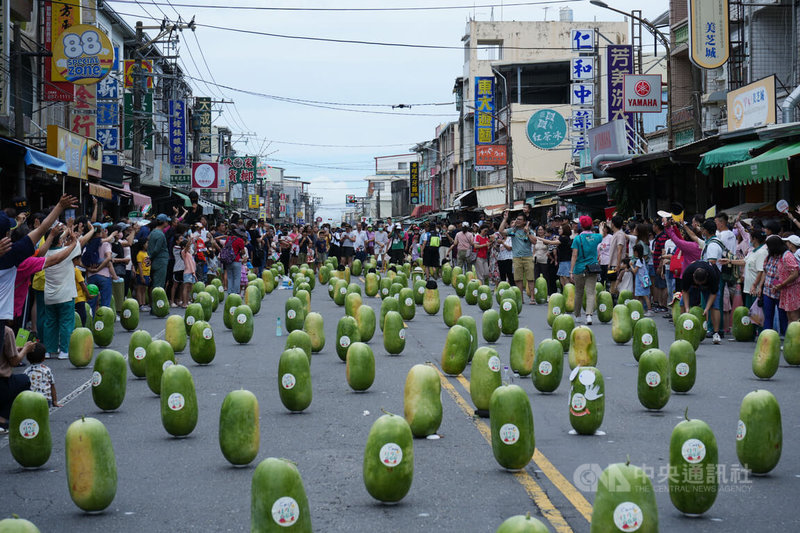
(337, 74)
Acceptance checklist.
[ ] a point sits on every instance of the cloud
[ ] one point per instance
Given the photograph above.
(331, 195)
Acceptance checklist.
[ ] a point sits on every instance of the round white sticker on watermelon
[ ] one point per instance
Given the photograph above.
(652, 378)
(635, 315)
(28, 428)
(475, 293)
(602, 308)
(460, 285)
(402, 333)
(556, 310)
(99, 325)
(288, 381)
(688, 324)
(160, 303)
(745, 320)
(291, 313)
(409, 302)
(166, 365)
(190, 320)
(647, 339)
(343, 290)
(421, 290)
(682, 369)
(207, 334)
(561, 335)
(741, 430)
(176, 401)
(344, 341)
(126, 313)
(506, 306)
(693, 451)
(242, 318)
(509, 434)
(484, 296)
(628, 516)
(494, 363)
(232, 311)
(97, 378)
(139, 353)
(545, 368)
(391, 454)
(285, 511)
(385, 291)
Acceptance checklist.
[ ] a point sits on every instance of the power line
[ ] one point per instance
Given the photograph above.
(356, 9)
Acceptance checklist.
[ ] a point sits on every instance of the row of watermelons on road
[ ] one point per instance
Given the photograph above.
(512, 428)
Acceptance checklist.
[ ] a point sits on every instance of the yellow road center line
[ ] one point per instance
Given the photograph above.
(569, 491)
(533, 489)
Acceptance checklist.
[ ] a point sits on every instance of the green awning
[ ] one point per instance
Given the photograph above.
(186, 201)
(729, 154)
(772, 165)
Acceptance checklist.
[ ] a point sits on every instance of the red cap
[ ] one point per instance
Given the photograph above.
(585, 221)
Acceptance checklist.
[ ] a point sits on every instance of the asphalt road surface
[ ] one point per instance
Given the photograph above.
(168, 484)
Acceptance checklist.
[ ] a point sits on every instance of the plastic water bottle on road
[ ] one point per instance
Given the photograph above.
(278, 328)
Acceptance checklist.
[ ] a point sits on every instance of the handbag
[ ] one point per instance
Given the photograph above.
(592, 268)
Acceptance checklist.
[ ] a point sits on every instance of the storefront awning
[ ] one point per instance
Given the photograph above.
(461, 200)
(772, 165)
(186, 201)
(729, 154)
(491, 195)
(95, 189)
(36, 158)
(420, 210)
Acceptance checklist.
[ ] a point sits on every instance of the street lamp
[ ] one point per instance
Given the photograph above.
(657, 34)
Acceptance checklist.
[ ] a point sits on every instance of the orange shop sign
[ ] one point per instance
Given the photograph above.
(490, 155)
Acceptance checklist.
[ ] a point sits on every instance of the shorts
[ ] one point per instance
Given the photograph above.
(146, 281)
(347, 251)
(177, 276)
(658, 281)
(397, 256)
(523, 268)
(563, 268)
(430, 257)
(189, 278)
(320, 257)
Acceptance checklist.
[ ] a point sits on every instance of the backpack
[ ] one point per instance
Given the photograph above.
(729, 274)
(434, 241)
(227, 255)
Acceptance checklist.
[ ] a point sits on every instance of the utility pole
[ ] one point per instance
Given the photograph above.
(19, 117)
(138, 90)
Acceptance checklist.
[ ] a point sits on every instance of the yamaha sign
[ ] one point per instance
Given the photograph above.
(642, 93)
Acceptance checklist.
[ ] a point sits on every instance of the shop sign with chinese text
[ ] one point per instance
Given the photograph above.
(709, 45)
(484, 110)
(242, 169)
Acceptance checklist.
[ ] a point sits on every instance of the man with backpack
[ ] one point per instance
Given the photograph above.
(713, 251)
(231, 259)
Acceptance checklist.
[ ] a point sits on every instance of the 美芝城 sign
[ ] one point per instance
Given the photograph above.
(709, 45)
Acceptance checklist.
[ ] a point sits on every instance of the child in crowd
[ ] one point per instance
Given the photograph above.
(189, 270)
(246, 266)
(83, 291)
(625, 276)
(142, 276)
(40, 375)
(639, 269)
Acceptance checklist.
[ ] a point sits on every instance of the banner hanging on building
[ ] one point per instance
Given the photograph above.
(147, 109)
(241, 169)
(5, 51)
(709, 45)
(484, 110)
(177, 132)
(490, 155)
(620, 62)
(413, 182)
(202, 108)
(58, 16)
(752, 105)
(70, 147)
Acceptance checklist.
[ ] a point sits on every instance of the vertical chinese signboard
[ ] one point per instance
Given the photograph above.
(620, 63)
(147, 109)
(484, 110)
(58, 17)
(413, 176)
(202, 107)
(177, 132)
(582, 89)
(108, 119)
(83, 114)
(709, 45)
(242, 169)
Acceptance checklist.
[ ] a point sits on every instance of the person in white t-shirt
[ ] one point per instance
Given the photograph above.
(60, 292)
(723, 233)
(381, 240)
(361, 242)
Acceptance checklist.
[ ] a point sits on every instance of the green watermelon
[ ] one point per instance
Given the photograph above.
(360, 369)
(587, 402)
(653, 382)
(742, 328)
(110, 379)
(563, 325)
(202, 346)
(388, 467)
(645, 336)
(239, 427)
(178, 401)
(767, 355)
(484, 377)
(422, 400)
(490, 325)
(693, 448)
(294, 380)
(683, 366)
(511, 422)
(455, 354)
(621, 324)
(555, 306)
(29, 438)
(759, 435)
(548, 365)
(523, 352)
(605, 306)
(625, 501)
(90, 464)
(278, 499)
